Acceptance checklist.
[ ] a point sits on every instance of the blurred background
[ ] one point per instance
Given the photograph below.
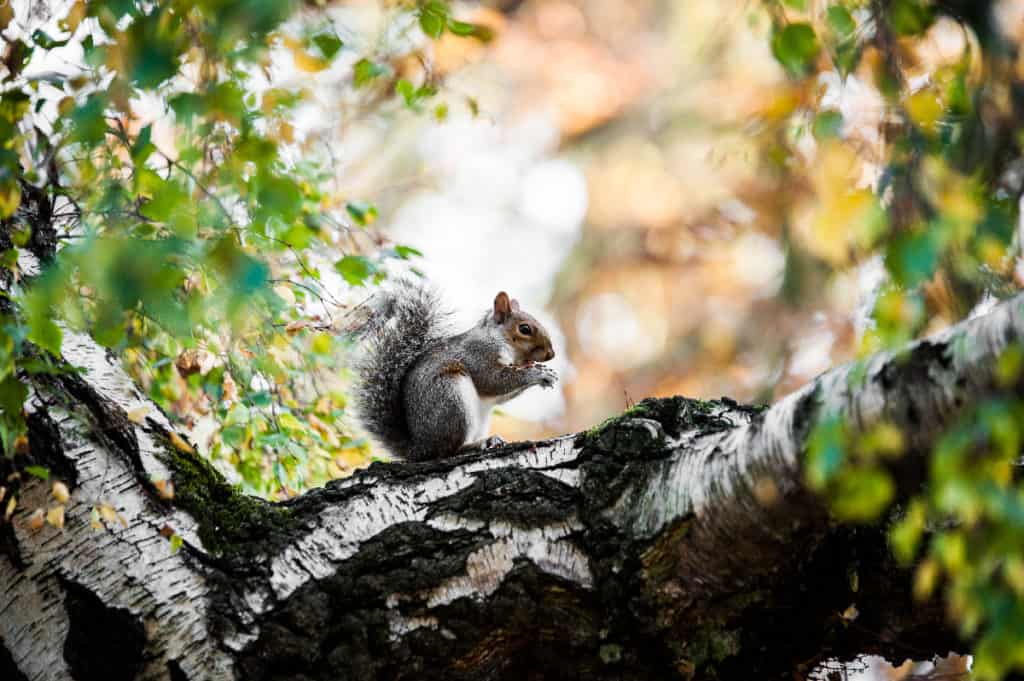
(609, 163)
(602, 166)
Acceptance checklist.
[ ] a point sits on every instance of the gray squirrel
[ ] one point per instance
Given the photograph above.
(427, 394)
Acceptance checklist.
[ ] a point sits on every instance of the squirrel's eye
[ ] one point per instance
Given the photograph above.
(526, 329)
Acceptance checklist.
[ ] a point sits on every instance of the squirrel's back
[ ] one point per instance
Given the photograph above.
(407, 322)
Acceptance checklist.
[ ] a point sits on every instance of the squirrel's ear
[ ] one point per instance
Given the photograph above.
(502, 307)
(515, 305)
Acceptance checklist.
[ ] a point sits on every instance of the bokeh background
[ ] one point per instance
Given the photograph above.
(607, 173)
(609, 163)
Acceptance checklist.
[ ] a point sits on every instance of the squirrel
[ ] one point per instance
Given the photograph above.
(427, 394)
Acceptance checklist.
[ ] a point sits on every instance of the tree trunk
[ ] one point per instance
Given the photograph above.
(675, 541)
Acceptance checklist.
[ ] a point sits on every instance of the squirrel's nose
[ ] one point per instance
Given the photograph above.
(549, 354)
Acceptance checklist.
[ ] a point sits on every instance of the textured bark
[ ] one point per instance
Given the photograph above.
(675, 541)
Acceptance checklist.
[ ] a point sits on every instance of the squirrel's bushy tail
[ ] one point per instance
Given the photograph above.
(405, 322)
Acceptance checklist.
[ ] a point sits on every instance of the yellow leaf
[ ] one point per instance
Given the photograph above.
(55, 516)
(3, 492)
(321, 343)
(924, 579)
(178, 442)
(108, 513)
(1013, 569)
(164, 488)
(94, 519)
(11, 504)
(75, 16)
(924, 108)
(779, 107)
(10, 198)
(851, 613)
(36, 520)
(307, 62)
(60, 492)
(6, 14)
(21, 445)
(287, 132)
(138, 415)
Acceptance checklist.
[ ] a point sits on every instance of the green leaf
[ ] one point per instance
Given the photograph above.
(795, 47)
(13, 106)
(168, 198)
(143, 147)
(906, 533)
(38, 471)
(826, 450)
(95, 55)
(912, 257)
(88, 122)
(466, 29)
(365, 71)
(799, 5)
(362, 212)
(187, 106)
(328, 44)
(840, 21)
(846, 49)
(413, 95)
(260, 398)
(44, 332)
(407, 90)
(434, 18)
(862, 494)
(9, 258)
(43, 40)
(355, 269)
(280, 195)
(910, 17)
(461, 28)
(12, 398)
(176, 542)
(233, 436)
(406, 252)
(827, 124)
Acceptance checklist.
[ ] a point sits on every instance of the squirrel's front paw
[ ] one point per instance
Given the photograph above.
(544, 376)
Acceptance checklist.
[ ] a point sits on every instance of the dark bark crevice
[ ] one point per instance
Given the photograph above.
(103, 643)
(8, 669)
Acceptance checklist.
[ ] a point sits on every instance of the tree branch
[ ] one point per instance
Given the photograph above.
(675, 541)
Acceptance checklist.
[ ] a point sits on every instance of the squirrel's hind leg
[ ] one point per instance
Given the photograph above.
(439, 416)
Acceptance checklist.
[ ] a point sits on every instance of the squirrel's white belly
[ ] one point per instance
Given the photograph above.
(478, 409)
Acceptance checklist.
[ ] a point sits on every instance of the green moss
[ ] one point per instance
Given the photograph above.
(230, 522)
(715, 642)
(636, 411)
(709, 646)
(675, 414)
